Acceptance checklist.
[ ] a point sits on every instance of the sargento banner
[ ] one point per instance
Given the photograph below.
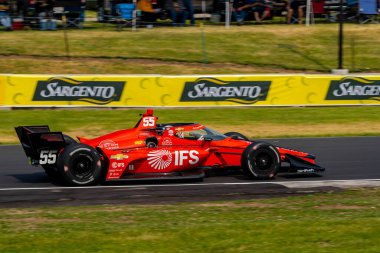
(354, 89)
(161, 90)
(68, 89)
(211, 89)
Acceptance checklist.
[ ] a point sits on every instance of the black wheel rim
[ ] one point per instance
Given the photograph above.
(83, 167)
(263, 161)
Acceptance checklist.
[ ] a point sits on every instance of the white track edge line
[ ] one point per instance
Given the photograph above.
(188, 185)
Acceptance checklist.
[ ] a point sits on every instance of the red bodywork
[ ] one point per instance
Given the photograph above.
(153, 148)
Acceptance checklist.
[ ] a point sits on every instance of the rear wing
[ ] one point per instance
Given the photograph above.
(35, 139)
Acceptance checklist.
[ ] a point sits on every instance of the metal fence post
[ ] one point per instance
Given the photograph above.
(66, 39)
(227, 16)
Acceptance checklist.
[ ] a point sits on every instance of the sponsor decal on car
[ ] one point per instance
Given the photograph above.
(159, 159)
(197, 127)
(162, 159)
(108, 144)
(116, 165)
(119, 157)
(167, 142)
(67, 89)
(212, 89)
(186, 155)
(139, 142)
(305, 171)
(354, 88)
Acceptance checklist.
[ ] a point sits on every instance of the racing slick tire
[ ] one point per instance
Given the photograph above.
(80, 165)
(52, 171)
(236, 135)
(261, 160)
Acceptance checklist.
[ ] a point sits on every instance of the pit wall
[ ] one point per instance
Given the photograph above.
(161, 90)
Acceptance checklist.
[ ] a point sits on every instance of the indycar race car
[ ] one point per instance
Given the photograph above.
(157, 151)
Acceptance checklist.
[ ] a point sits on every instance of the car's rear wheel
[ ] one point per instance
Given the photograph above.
(261, 160)
(236, 136)
(52, 171)
(80, 164)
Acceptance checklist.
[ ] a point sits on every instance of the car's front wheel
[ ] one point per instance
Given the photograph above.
(261, 160)
(80, 164)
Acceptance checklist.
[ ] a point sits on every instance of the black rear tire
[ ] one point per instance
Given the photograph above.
(52, 171)
(236, 136)
(261, 160)
(80, 164)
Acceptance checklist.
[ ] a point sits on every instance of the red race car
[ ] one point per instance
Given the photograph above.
(157, 151)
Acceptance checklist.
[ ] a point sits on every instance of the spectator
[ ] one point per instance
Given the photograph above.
(30, 15)
(239, 14)
(260, 8)
(148, 13)
(44, 10)
(100, 4)
(295, 10)
(177, 11)
(5, 19)
(22, 7)
(83, 11)
(189, 10)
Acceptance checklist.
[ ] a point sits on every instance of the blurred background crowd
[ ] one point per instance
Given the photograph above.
(46, 14)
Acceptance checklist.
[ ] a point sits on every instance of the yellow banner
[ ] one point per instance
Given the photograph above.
(217, 90)
(2, 90)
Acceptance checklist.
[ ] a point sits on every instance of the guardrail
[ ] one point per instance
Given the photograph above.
(188, 91)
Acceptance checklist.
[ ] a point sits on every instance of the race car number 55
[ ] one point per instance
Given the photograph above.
(48, 157)
(148, 121)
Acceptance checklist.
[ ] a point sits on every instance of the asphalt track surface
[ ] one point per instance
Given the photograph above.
(349, 161)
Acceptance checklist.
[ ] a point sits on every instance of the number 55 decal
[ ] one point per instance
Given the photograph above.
(148, 121)
(48, 157)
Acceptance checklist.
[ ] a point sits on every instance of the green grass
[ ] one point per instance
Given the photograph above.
(254, 122)
(331, 222)
(271, 47)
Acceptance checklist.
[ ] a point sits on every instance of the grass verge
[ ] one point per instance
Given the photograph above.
(332, 222)
(269, 47)
(253, 122)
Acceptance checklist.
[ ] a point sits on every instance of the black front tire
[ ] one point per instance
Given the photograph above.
(261, 160)
(80, 165)
(236, 136)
